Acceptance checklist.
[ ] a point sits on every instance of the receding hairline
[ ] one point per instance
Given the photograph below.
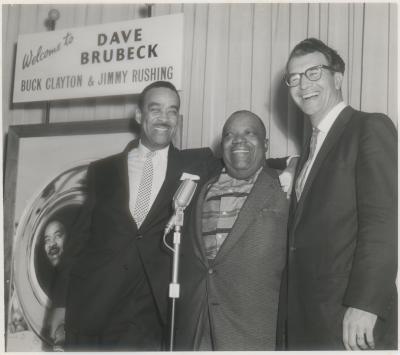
(249, 114)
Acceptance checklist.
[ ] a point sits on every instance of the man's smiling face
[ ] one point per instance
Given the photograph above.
(243, 145)
(159, 117)
(315, 98)
(54, 239)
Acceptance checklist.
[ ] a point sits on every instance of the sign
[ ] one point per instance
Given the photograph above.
(111, 59)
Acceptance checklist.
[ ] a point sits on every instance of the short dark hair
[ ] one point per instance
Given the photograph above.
(311, 45)
(252, 115)
(157, 84)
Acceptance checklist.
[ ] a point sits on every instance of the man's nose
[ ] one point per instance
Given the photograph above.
(163, 116)
(304, 81)
(238, 138)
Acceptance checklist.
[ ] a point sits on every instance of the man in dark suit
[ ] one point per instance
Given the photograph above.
(342, 260)
(234, 248)
(113, 284)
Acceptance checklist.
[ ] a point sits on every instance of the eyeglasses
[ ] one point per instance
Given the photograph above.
(313, 74)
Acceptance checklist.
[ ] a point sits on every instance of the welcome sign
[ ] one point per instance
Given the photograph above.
(111, 59)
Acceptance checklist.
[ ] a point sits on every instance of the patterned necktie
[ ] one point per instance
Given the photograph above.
(301, 180)
(142, 205)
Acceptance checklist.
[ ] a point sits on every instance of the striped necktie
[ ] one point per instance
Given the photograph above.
(142, 205)
(301, 180)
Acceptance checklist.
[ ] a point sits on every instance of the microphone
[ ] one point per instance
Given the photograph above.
(181, 200)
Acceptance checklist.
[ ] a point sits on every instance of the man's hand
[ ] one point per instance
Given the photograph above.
(287, 176)
(358, 329)
(56, 325)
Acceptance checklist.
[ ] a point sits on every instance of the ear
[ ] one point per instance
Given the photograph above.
(338, 77)
(266, 144)
(138, 115)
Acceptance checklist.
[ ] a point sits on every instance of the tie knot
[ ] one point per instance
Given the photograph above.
(150, 155)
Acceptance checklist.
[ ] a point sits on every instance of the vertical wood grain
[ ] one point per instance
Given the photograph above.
(234, 57)
(338, 35)
(215, 90)
(261, 69)
(240, 57)
(278, 92)
(375, 58)
(392, 70)
(196, 79)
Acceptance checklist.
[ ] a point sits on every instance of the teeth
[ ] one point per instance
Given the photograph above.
(307, 96)
(241, 151)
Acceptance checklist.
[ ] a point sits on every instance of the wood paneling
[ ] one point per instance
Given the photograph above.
(234, 58)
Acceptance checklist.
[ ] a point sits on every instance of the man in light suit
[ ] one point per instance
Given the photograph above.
(234, 249)
(342, 262)
(113, 282)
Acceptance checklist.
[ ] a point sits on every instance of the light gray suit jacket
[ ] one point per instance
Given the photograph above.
(241, 287)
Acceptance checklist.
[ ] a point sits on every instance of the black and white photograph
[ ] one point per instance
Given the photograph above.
(200, 176)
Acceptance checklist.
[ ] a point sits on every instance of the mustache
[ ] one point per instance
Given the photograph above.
(54, 250)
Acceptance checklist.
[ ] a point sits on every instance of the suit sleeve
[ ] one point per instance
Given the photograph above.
(213, 164)
(277, 163)
(371, 286)
(76, 241)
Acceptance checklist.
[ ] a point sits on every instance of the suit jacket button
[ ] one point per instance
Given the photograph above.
(139, 237)
(210, 271)
(292, 249)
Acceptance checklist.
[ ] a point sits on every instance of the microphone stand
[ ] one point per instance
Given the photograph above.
(174, 287)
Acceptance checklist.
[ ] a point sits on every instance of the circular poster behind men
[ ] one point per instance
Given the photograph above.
(40, 241)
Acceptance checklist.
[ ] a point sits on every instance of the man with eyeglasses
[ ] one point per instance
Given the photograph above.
(342, 258)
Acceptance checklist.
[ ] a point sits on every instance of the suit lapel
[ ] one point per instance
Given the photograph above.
(198, 225)
(267, 181)
(331, 139)
(122, 180)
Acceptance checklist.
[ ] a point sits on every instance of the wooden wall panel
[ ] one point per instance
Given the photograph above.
(299, 26)
(324, 22)
(338, 35)
(234, 57)
(375, 59)
(216, 74)
(354, 64)
(261, 73)
(239, 62)
(392, 70)
(313, 21)
(189, 16)
(278, 90)
(195, 94)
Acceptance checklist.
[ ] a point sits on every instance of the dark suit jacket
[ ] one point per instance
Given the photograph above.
(241, 285)
(117, 274)
(343, 235)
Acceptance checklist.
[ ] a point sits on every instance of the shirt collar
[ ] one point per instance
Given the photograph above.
(225, 177)
(161, 153)
(326, 123)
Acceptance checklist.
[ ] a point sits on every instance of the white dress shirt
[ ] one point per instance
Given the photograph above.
(324, 126)
(136, 159)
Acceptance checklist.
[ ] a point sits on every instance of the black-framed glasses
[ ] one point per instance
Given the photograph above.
(313, 74)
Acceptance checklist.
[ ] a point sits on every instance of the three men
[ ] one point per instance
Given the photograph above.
(340, 288)
(113, 286)
(343, 224)
(234, 248)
